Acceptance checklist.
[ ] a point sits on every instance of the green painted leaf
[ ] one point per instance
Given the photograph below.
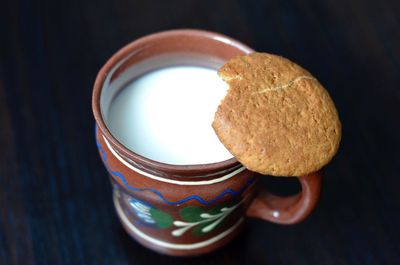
(191, 214)
(217, 209)
(163, 219)
(197, 230)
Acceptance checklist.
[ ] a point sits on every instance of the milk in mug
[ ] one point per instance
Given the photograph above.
(166, 115)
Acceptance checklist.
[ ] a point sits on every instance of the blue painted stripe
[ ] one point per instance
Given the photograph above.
(192, 197)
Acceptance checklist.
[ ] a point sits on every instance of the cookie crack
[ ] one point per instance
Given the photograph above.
(289, 84)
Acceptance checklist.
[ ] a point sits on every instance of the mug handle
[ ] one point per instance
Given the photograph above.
(291, 209)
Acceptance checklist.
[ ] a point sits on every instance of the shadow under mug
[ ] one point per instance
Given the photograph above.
(184, 209)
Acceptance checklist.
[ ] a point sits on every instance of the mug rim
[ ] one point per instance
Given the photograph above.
(120, 55)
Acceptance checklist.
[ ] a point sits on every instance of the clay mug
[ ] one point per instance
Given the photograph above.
(184, 209)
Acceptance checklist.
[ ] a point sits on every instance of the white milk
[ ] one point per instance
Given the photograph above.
(166, 115)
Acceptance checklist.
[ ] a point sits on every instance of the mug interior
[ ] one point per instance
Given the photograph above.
(156, 51)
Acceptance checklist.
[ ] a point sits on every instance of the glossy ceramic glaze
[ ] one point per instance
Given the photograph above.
(187, 209)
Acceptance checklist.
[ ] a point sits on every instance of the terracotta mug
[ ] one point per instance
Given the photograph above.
(175, 209)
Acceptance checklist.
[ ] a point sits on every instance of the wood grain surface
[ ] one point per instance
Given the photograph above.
(55, 196)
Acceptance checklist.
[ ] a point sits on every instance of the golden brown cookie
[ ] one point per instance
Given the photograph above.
(276, 118)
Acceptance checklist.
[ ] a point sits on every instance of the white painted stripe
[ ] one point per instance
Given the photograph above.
(172, 181)
(165, 244)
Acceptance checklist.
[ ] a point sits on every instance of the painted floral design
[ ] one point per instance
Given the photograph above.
(193, 218)
(201, 222)
(142, 211)
(150, 215)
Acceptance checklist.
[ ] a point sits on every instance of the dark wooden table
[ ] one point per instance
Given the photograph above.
(55, 196)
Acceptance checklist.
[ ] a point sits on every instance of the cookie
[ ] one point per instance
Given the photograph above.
(276, 118)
